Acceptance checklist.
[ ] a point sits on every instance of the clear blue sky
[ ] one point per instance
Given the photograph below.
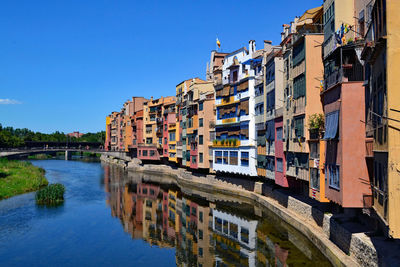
(65, 65)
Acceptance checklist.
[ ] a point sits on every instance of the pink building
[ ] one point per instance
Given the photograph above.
(280, 161)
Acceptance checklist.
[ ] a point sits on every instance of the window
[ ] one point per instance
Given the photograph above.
(165, 140)
(225, 227)
(314, 178)
(333, 175)
(299, 86)
(165, 127)
(149, 140)
(259, 109)
(271, 100)
(279, 133)
(259, 90)
(200, 216)
(200, 157)
(200, 234)
(144, 191)
(194, 211)
(145, 153)
(172, 136)
(314, 150)
(244, 235)
(194, 159)
(279, 165)
(234, 76)
(299, 126)
(218, 157)
(152, 153)
(200, 106)
(201, 122)
(244, 160)
(298, 53)
(225, 158)
(233, 158)
(200, 139)
(218, 224)
(201, 252)
(233, 230)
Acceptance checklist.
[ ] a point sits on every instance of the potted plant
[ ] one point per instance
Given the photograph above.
(316, 124)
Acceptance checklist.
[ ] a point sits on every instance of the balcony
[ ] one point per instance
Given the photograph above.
(226, 143)
(343, 65)
(227, 121)
(333, 78)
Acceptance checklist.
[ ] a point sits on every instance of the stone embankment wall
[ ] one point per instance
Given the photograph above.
(339, 245)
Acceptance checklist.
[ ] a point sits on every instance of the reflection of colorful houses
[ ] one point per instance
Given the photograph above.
(235, 239)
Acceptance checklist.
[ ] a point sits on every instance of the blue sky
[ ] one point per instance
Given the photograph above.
(65, 65)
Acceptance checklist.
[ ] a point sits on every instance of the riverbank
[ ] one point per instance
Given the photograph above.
(331, 233)
(17, 177)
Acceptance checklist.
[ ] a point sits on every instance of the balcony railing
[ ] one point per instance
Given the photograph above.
(334, 78)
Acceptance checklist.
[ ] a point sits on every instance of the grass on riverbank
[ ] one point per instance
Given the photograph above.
(17, 177)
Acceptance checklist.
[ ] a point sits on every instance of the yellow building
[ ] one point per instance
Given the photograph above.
(383, 56)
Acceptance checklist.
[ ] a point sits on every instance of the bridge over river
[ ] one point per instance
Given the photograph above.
(33, 148)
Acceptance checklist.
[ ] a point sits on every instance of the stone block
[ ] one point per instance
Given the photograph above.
(258, 188)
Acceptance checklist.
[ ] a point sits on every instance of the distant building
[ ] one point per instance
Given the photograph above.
(75, 134)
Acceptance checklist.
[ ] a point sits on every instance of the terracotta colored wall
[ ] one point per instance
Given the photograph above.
(354, 168)
(354, 181)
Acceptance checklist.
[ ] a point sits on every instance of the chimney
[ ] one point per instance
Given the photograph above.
(252, 46)
(267, 46)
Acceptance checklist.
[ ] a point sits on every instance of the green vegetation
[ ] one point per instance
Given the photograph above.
(40, 156)
(17, 177)
(50, 195)
(10, 137)
(316, 121)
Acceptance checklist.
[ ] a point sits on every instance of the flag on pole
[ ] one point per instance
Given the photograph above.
(218, 43)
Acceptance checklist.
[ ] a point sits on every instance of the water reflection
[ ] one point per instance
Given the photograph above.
(203, 232)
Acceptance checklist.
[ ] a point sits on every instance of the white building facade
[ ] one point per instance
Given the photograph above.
(234, 149)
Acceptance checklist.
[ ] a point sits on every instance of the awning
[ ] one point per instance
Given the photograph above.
(331, 125)
(270, 133)
(253, 61)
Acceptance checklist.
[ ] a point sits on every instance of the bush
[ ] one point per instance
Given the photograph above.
(50, 195)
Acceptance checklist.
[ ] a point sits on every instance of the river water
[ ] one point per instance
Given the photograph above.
(111, 218)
